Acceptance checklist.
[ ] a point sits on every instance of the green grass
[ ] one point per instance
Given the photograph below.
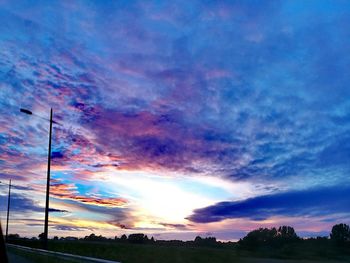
(151, 253)
(129, 253)
(37, 258)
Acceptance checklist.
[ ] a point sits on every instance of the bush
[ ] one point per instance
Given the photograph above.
(269, 237)
(138, 238)
(340, 233)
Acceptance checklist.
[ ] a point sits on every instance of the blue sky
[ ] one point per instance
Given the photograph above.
(177, 118)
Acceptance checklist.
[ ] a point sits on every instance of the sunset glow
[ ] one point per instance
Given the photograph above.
(175, 118)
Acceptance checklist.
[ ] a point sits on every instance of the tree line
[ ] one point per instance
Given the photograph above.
(273, 237)
(277, 237)
(281, 242)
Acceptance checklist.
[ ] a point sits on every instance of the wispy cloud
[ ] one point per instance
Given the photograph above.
(71, 228)
(69, 191)
(239, 91)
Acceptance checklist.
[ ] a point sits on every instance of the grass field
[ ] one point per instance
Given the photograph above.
(47, 259)
(33, 257)
(148, 253)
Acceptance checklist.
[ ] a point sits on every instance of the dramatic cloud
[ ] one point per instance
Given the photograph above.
(242, 91)
(57, 210)
(68, 191)
(22, 203)
(310, 202)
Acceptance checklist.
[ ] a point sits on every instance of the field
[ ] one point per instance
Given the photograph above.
(150, 253)
(33, 258)
(20, 256)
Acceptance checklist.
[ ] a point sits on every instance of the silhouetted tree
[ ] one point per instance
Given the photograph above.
(258, 237)
(90, 237)
(137, 238)
(93, 237)
(268, 237)
(123, 237)
(13, 236)
(55, 238)
(287, 233)
(198, 239)
(340, 233)
(208, 241)
(41, 236)
(285, 236)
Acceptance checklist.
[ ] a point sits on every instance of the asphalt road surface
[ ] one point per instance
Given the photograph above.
(13, 258)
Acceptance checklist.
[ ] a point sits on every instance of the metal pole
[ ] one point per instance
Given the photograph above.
(8, 210)
(48, 188)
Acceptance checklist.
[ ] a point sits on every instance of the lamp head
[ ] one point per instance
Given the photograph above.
(26, 111)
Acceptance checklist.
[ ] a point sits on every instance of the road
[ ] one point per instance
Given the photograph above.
(13, 258)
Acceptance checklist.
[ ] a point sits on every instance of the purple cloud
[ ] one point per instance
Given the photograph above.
(310, 202)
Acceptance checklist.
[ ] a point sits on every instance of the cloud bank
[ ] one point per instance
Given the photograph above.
(310, 203)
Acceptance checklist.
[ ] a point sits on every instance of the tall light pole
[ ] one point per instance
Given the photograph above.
(48, 186)
(8, 209)
(46, 227)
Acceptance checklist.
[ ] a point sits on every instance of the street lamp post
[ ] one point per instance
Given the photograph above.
(48, 186)
(48, 180)
(8, 211)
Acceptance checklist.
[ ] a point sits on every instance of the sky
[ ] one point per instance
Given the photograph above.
(175, 118)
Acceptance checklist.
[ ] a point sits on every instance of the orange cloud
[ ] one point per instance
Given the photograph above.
(69, 192)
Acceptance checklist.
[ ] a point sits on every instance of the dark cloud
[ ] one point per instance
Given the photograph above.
(57, 155)
(22, 188)
(72, 228)
(57, 210)
(119, 224)
(310, 202)
(174, 226)
(22, 204)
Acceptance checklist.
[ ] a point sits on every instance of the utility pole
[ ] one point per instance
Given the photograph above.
(48, 188)
(8, 211)
(45, 243)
